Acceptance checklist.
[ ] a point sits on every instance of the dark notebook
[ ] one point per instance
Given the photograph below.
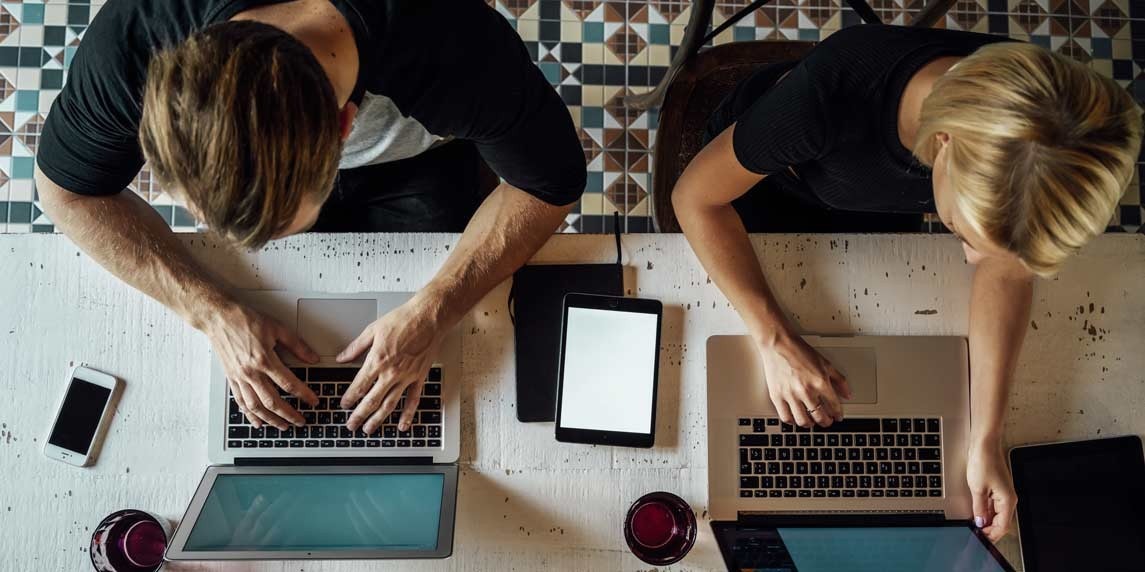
(537, 297)
(535, 304)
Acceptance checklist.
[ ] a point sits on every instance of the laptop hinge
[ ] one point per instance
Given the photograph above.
(834, 518)
(329, 461)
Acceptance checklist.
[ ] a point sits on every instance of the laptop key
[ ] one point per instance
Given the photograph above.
(935, 493)
(848, 494)
(932, 426)
(338, 417)
(745, 468)
(804, 440)
(403, 442)
(265, 444)
(812, 454)
(773, 468)
(876, 493)
(324, 418)
(909, 454)
(788, 468)
(916, 440)
(235, 419)
(295, 444)
(358, 443)
(433, 443)
(833, 494)
(797, 455)
(756, 454)
(746, 493)
(900, 468)
(929, 454)
(345, 432)
(234, 444)
(311, 443)
(913, 468)
(238, 432)
(935, 481)
(890, 425)
(250, 444)
(327, 443)
(774, 494)
(757, 426)
(931, 468)
(920, 425)
(892, 493)
(310, 417)
(340, 443)
(429, 403)
(904, 425)
(785, 454)
(759, 468)
(907, 493)
(280, 444)
(759, 493)
(753, 440)
(418, 443)
(328, 390)
(234, 408)
(819, 493)
(933, 440)
(789, 493)
(805, 494)
(434, 374)
(329, 374)
(822, 482)
(863, 493)
(896, 454)
(388, 443)
(430, 417)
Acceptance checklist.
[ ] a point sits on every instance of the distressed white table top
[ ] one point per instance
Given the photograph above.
(526, 502)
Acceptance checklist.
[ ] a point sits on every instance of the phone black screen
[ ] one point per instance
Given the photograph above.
(79, 416)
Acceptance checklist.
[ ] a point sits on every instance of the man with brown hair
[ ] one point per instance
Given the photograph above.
(270, 117)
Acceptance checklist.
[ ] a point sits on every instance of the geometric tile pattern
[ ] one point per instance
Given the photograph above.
(594, 52)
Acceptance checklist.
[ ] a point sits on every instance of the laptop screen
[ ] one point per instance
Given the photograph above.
(921, 549)
(325, 512)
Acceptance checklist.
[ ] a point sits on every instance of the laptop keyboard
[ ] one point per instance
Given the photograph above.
(326, 422)
(891, 457)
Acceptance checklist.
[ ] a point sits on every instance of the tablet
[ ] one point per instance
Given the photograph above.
(609, 368)
(1081, 505)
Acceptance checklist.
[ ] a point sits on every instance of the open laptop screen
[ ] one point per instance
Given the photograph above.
(319, 512)
(876, 549)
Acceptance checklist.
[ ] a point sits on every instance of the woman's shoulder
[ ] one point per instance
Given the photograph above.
(881, 39)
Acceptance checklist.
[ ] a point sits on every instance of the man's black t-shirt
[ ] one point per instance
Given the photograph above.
(834, 118)
(430, 70)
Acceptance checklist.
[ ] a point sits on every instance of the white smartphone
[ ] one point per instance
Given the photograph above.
(82, 416)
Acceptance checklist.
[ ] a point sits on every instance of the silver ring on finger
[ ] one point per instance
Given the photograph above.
(817, 407)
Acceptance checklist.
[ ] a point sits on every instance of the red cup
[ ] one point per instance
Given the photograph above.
(128, 541)
(660, 528)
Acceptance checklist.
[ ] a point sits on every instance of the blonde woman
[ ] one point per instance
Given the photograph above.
(1022, 153)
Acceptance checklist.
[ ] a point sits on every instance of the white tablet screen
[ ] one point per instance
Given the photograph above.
(609, 364)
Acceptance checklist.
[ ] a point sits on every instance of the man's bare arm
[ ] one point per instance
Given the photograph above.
(127, 237)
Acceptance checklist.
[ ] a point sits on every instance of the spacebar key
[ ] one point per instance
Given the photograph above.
(869, 425)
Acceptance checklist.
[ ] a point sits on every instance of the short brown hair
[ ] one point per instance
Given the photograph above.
(1041, 148)
(241, 120)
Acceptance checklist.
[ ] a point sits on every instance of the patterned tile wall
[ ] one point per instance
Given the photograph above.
(594, 52)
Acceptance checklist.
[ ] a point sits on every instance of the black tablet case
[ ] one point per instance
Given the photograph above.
(537, 298)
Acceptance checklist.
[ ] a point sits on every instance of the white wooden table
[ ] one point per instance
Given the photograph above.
(526, 502)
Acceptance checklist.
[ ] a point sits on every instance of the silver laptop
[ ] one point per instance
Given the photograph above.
(321, 491)
(901, 449)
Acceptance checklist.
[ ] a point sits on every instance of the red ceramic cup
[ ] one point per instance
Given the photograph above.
(660, 528)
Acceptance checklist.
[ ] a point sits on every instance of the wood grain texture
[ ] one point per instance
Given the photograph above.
(526, 502)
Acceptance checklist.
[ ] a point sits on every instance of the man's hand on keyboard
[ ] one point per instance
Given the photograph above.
(398, 350)
(244, 342)
(802, 384)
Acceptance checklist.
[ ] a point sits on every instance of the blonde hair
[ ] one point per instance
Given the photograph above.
(1040, 148)
(242, 121)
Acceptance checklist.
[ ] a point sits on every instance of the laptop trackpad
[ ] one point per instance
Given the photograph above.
(859, 367)
(328, 325)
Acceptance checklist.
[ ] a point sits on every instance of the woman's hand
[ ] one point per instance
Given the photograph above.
(992, 489)
(802, 384)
